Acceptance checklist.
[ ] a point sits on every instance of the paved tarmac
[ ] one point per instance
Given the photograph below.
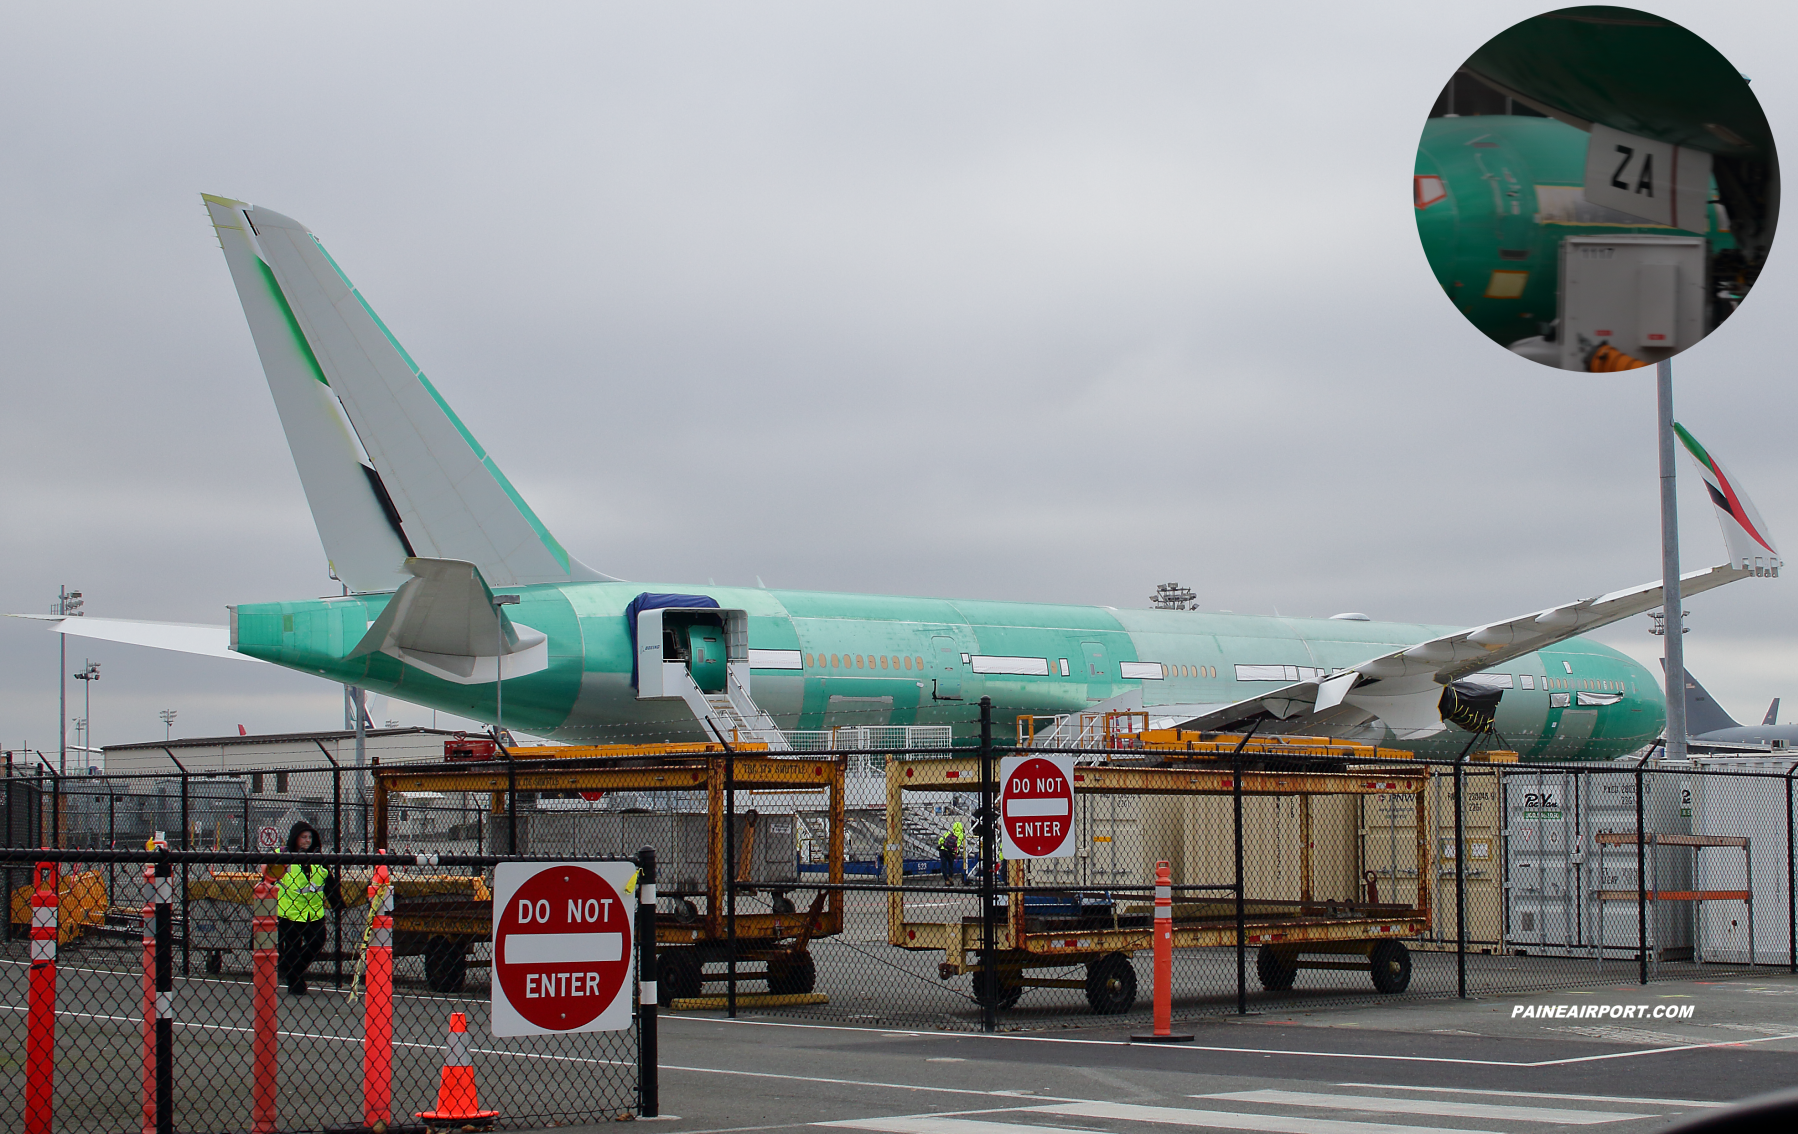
(1390, 1069)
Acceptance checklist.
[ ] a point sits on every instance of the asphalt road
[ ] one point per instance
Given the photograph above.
(1457, 1066)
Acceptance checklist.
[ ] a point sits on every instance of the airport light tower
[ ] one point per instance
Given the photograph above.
(89, 673)
(168, 722)
(68, 605)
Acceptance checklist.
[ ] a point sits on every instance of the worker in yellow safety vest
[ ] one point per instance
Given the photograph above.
(949, 844)
(302, 893)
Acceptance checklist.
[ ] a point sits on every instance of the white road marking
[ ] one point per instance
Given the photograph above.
(1443, 1108)
(1180, 1116)
(1267, 1050)
(1535, 1095)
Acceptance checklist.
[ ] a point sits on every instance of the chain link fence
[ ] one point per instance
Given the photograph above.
(165, 990)
(1304, 872)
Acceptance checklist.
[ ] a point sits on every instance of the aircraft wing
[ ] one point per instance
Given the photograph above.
(182, 637)
(1404, 687)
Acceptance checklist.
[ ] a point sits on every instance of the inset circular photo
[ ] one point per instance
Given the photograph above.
(1596, 189)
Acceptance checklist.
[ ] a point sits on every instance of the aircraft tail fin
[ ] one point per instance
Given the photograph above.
(1745, 534)
(1772, 717)
(363, 539)
(428, 488)
(1703, 714)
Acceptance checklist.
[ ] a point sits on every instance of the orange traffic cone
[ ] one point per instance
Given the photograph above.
(456, 1098)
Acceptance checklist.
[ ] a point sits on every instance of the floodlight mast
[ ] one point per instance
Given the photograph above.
(1673, 629)
(90, 673)
(168, 722)
(68, 605)
(1173, 596)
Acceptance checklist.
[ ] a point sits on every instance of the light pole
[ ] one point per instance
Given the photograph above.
(499, 660)
(90, 673)
(68, 605)
(1673, 655)
(168, 723)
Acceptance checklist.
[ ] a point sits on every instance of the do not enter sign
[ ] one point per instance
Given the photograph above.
(562, 946)
(1036, 806)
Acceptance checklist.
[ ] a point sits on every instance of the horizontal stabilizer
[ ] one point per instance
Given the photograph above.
(181, 637)
(444, 621)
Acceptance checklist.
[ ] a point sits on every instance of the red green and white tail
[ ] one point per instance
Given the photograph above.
(1744, 532)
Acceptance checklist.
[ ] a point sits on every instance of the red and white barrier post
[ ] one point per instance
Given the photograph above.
(1164, 961)
(164, 1002)
(40, 1020)
(262, 1043)
(377, 1007)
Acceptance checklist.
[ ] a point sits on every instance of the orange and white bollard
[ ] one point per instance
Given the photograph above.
(377, 1007)
(457, 1099)
(1164, 961)
(40, 1019)
(262, 1043)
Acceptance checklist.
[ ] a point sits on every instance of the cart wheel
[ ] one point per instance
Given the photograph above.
(1391, 967)
(1111, 984)
(1277, 968)
(1007, 984)
(215, 962)
(791, 973)
(446, 964)
(784, 904)
(677, 976)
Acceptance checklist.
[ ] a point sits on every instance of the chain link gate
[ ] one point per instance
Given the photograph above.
(117, 1032)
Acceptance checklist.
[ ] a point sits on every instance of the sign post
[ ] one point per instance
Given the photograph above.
(562, 947)
(1036, 806)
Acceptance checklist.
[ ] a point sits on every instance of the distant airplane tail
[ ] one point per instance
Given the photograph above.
(1703, 714)
(1772, 717)
(389, 470)
(1745, 534)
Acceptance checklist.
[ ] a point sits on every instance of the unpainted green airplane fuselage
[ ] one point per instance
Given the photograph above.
(1493, 237)
(871, 659)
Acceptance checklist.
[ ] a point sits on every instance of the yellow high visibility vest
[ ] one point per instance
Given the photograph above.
(302, 893)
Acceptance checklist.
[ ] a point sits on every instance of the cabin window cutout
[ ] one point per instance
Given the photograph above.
(1529, 680)
(1064, 667)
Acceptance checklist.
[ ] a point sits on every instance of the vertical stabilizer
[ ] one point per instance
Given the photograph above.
(1745, 534)
(1703, 714)
(443, 495)
(362, 538)
(1772, 717)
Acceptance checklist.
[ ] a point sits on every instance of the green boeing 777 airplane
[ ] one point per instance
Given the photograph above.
(454, 582)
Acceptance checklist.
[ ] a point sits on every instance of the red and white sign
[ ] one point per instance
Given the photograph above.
(268, 838)
(1036, 806)
(562, 947)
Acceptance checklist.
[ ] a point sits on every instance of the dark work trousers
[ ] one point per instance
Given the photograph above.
(947, 855)
(298, 942)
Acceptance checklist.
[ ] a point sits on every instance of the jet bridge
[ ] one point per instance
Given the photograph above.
(700, 654)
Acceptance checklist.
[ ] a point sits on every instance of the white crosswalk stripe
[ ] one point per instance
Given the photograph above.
(1441, 1108)
(1212, 1119)
(1107, 1117)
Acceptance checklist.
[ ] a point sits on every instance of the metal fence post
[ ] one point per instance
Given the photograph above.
(1460, 877)
(1242, 966)
(1641, 885)
(186, 956)
(55, 810)
(1791, 879)
(648, 1062)
(989, 973)
(337, 848)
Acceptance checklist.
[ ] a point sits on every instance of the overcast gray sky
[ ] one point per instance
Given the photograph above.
(1038, 301)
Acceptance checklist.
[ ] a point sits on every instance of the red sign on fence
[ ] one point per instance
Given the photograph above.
(561, 947)
(1036, 806)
